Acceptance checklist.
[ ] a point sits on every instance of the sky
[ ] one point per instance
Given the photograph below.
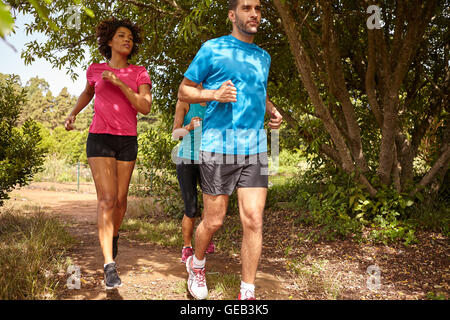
(12, 63)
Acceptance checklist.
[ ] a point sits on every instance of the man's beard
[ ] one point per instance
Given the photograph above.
(243, 28)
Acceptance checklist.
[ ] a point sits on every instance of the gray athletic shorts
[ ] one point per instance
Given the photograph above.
(221, 173)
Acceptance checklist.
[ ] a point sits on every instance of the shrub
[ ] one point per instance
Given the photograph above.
(20, 154)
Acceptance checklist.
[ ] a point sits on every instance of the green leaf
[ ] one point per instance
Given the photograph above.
(6, 20)
(419, 196)
(352, 200)
(409, 203)
(89, 12)
(332, 188)
(43, 13)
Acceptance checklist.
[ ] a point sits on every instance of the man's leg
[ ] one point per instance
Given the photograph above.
(251, 209)
(215, 208)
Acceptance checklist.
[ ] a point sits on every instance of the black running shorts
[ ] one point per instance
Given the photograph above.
(221, 174)
(188, 175)
(123, 148)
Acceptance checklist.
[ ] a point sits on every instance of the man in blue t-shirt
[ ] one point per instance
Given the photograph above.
(233, 152)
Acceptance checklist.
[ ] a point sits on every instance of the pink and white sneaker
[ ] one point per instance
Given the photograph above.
(211, 248)
(186, 253)
(196, 281)
(247, 296)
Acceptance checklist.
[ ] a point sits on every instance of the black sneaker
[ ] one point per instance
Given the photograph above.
(115, 248)
(112, 279)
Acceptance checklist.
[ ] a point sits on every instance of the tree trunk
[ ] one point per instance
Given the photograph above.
(304, 68)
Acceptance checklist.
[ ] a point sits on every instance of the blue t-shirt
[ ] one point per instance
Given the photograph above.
(237, 127)
(190, 144)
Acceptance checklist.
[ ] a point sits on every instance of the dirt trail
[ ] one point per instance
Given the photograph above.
(147, 271)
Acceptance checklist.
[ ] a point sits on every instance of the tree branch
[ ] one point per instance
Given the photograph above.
(442, 163)
(303, 64)
(370, 80)
(338, 86)
(149, 5)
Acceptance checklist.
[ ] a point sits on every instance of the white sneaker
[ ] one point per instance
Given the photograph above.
(247, 295)
(196, 281)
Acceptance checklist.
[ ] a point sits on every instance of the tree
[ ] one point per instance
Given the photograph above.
(20, 155)
(391, 62)
(361, 99)
(49, 114)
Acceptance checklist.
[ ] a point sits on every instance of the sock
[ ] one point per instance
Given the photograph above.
(198, 264)
(247, 290)
(104, 266)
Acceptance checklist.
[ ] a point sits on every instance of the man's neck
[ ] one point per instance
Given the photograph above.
(242, 36)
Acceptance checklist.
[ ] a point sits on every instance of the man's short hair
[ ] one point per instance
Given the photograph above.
(232, 4)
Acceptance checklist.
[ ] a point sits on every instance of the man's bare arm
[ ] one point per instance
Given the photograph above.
(275, 116)
(190, 93)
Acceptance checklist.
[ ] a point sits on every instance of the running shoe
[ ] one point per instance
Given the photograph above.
(112, 279)
(211, 248)
(196, 281)
(115, 248)
(247, 296)
(186, 253)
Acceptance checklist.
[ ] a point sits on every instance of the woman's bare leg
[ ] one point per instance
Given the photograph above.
(124, 172)
(104, 172)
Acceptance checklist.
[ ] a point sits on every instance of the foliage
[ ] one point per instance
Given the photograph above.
(290, 161)
(332, 201)
(41, 9)
(369, 104)
(20, 155)
(49, 113)
(155, 162)
(6, 21)
(32, 249)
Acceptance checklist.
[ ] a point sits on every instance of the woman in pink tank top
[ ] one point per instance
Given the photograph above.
(121, 91)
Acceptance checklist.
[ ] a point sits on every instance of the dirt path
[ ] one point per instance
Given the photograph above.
(147, 271)
(292, 265)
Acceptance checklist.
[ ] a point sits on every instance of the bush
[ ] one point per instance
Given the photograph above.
(21, 156)
(331, 200)
(290, 162)
(159, 170)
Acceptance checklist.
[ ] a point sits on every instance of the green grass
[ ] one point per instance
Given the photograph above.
(436, 296)
(32, 253)
(225, 286)
(221, 286)
(58, 170)
(165, 233)
(228, 238)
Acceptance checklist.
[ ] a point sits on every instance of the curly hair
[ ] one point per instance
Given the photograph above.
(107, 29)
